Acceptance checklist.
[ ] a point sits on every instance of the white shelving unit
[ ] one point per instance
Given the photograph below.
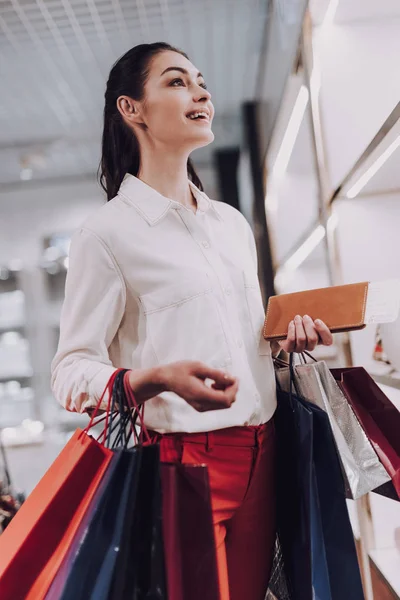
(16, 370)
(30, 308)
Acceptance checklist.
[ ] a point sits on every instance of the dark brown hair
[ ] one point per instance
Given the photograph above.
(120, 148)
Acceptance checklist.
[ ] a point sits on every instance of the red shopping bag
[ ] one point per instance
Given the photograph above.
(189, 542)
(34, 544)
(40, 525)
(379, 418)
(47, 574)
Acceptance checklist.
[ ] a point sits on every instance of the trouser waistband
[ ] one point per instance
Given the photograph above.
(249, 436)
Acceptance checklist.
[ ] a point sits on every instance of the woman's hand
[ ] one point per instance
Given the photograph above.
(306, 334)
(187, 379)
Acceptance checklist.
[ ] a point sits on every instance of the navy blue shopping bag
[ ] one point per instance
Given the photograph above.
(340, 550)
(140, 570)
(96, 554)
(299, 521)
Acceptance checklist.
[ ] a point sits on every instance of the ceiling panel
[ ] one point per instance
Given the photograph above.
(55, 56)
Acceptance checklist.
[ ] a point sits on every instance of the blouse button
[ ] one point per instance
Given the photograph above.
(205, 244)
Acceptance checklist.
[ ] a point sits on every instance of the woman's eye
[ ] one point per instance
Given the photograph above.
(177, 81)
(203, 85)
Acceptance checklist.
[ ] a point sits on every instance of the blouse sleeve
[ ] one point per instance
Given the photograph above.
(92, 312)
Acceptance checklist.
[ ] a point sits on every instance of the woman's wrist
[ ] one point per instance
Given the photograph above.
(147, 383)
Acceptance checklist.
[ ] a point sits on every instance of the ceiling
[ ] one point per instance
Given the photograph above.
(55, 56)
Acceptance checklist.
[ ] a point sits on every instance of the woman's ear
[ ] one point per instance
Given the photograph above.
(129, 110)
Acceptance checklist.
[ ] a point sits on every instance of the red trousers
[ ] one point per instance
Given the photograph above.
(241, 465)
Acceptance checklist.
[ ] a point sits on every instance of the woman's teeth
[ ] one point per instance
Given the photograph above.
(197, 115)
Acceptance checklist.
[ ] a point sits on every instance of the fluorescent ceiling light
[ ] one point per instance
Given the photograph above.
(373, 169)
(291, 133)
(302, 253)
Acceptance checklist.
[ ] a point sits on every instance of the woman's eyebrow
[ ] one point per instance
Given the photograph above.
(180, 69)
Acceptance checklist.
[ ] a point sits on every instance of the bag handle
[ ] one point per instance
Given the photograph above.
(293, 382)
(108, 388)
(309, 356)
(134, 405)
(125, 417)
(104, 418)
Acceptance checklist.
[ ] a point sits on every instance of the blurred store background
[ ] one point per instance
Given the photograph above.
(307, 128)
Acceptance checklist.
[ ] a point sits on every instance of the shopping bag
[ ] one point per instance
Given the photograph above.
(316, 552)
(92, 569)
(362, 468)
(278, 586)
(37, 529)
(337, 544)
(379, 418)
(188, 533)
(294, 434)
(140, 570)
(57, 585)
(40, 538)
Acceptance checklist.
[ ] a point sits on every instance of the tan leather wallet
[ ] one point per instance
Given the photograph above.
(341, 307)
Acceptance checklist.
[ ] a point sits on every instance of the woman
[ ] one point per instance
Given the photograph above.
(163, 281)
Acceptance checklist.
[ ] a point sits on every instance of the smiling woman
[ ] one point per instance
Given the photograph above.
(152, 93)
(162, 282)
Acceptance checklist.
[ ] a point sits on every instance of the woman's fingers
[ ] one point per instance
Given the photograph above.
(305, 334)
(213, 399)
(289, 344)
(301, 336)
(220, 377)
(311, 333)
(323, 332)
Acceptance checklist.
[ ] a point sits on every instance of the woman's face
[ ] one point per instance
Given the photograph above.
(177, 108)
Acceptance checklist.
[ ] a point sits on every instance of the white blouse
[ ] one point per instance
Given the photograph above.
(150, 282)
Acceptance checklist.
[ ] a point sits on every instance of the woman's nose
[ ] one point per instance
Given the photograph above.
(201, 94)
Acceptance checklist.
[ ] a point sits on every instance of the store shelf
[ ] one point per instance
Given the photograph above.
(386, 562)
(18, 327)
(387, 380)
(22, 378)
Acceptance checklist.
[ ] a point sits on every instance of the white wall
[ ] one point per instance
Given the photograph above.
(360, 86)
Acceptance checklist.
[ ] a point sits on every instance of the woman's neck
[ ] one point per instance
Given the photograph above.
(167, 173)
